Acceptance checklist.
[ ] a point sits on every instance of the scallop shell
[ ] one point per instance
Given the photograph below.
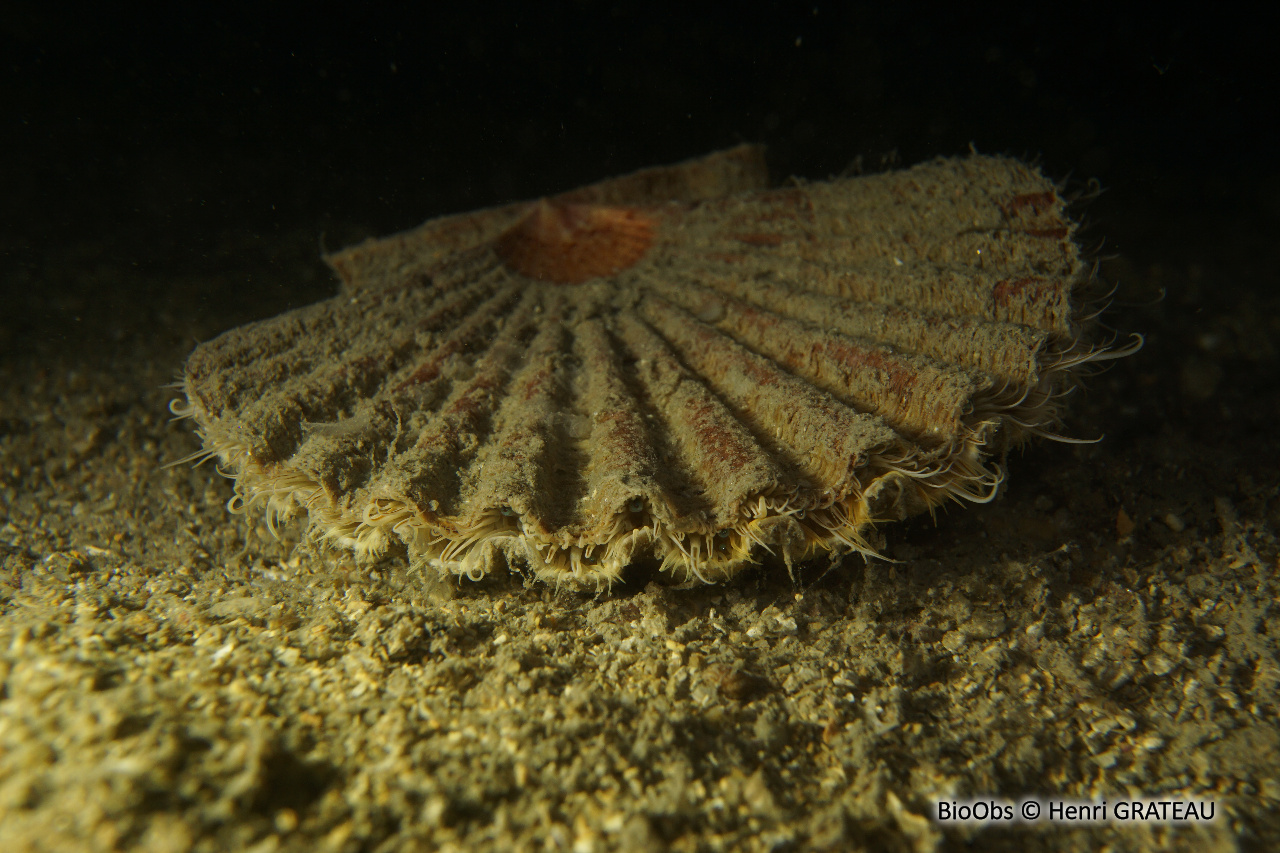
(680, 362)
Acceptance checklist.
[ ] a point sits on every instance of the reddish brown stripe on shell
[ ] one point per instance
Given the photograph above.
(1035, 203)
(572, 243)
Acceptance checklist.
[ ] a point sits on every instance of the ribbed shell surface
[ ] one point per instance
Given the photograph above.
(680, 362)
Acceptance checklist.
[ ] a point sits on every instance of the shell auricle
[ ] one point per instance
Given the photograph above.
(681, 363)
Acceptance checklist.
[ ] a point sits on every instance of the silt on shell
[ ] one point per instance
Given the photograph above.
(680, 362)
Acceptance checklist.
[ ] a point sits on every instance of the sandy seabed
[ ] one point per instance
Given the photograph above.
(173, 677)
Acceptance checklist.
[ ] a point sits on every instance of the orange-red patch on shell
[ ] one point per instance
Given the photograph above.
(571, 243)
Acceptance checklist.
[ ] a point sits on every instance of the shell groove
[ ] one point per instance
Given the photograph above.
(680, 362)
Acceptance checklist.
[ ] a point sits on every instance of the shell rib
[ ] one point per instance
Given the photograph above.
(679, 362)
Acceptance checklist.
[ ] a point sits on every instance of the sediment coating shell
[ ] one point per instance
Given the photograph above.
(680, 362)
